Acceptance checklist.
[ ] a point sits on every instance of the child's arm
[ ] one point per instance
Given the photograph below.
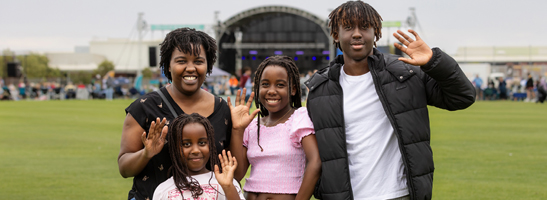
(240, 152)
(313, 168)
(240, 120)
(226, 178)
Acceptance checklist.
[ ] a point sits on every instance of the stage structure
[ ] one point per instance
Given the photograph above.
(249, 37)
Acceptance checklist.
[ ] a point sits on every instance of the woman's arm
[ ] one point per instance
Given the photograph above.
(133, 157)
(313, 168)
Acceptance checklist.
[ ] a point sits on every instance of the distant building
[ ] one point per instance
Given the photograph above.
(512, 62)
(495, 54)
(81, 49)
(74, 61)
(126, 54)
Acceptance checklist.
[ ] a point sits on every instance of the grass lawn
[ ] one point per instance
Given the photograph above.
(69, 149)
(492, 150)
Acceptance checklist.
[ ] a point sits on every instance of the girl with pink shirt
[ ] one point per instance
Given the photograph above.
(286, 164)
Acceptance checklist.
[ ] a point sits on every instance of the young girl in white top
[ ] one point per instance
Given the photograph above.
(280, 144)
(190, 147)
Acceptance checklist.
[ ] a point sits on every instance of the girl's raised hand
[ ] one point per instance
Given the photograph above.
(240, 112)
(229, 164)
(153, 144)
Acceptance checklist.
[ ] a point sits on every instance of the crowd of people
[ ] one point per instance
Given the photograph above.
(228, 85)
(526, 89)
(41, 90)
(97, 89)
(63, 90)
(363, 135)
(223, 85)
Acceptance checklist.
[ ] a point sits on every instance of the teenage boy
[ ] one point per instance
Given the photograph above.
(370, 113)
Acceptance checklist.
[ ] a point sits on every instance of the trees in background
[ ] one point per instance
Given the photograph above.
(147, 73)
(36, 66)
(33, 65)
(80, 76)
(104, 67)
(86, 76)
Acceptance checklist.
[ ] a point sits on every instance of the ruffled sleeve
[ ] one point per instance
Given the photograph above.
(301, 126)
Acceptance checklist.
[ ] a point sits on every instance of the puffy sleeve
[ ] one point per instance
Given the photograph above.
(301, 126)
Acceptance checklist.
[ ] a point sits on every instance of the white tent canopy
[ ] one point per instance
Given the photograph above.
(218, 72)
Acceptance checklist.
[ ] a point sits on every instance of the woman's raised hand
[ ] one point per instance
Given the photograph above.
(153, 144)
(240, 112)
(229, 165)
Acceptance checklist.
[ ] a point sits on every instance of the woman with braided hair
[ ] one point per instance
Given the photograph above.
(187, 56)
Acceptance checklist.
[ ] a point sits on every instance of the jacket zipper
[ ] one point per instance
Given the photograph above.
(393, 124)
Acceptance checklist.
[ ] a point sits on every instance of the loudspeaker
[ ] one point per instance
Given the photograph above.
(13, 69)
(152, 61)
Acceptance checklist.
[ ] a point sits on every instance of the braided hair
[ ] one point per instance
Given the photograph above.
(179, 169)
(295, 101)
(355, 12)
(188, 41)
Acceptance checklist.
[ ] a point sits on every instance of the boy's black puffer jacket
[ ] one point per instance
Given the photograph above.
(405, 91)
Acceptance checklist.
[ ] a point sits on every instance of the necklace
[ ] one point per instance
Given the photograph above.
(282, 117)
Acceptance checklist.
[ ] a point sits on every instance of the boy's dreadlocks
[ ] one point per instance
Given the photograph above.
(355, 13)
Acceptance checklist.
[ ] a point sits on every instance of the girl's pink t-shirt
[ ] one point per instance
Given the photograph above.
(280, 167)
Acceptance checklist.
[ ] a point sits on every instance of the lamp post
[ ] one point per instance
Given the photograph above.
(141, 26)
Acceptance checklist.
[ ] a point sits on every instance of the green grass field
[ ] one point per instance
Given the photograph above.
(69, 149)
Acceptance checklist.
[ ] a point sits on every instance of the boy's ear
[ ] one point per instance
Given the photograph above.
(293, 90)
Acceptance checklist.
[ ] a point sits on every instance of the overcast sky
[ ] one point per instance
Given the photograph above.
(60, 25)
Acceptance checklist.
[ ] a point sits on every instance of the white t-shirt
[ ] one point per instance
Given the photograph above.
(213, 191)
(375, 163)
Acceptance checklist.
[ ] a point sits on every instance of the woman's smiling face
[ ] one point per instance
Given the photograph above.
(188, 71)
